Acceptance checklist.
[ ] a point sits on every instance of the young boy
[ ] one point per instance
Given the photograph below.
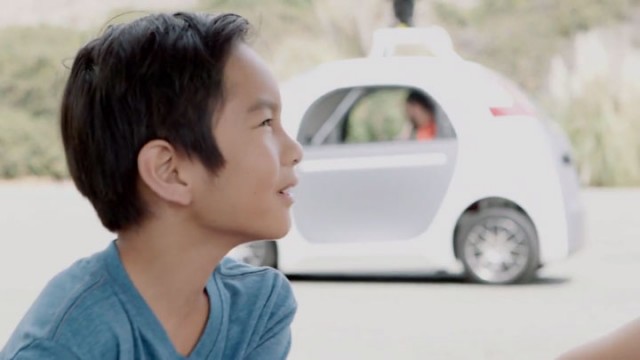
(171, 129)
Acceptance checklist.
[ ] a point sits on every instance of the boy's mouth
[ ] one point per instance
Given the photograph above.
(286, 191)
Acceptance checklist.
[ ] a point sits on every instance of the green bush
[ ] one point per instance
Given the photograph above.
(32, 75)
(605, 132)
(32, 67)
(518, 37)
(29, 146)
(377, 117)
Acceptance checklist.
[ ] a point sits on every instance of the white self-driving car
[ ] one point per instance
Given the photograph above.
(493, 193)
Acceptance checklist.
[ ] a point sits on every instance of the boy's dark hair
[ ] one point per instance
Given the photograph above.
(419, 97)
(158, 77)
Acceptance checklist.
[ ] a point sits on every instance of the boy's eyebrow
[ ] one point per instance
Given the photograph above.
(262, 103)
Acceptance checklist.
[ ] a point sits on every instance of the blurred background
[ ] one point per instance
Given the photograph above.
(578, 59)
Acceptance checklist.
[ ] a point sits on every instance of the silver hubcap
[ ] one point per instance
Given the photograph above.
(497, 250)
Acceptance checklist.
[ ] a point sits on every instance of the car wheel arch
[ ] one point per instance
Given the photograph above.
(486, 203)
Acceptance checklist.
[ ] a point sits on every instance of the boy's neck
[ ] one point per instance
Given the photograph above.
(170, 266)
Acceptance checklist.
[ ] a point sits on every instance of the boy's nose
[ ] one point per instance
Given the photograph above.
(292, 151)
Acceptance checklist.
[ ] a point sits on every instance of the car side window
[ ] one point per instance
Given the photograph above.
(373, 115)
(376, 117)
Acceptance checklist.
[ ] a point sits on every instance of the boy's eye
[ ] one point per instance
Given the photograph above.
(266, 122)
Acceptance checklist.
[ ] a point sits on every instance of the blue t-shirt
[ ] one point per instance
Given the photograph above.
(93, 311)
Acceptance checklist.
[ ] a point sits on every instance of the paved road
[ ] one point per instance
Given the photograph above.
(44, 227)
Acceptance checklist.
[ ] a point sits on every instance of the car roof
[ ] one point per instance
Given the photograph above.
(452, 81)
(444, 73)
(383, 71)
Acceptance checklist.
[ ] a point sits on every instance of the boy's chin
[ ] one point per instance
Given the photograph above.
(274, 231)
(275, 234)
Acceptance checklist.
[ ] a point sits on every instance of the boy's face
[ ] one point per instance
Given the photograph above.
(248, 197)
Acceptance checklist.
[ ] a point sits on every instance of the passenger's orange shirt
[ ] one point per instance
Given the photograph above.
(426, 132)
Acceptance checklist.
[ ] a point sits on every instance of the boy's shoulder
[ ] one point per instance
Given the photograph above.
(75, 306)
(231, 267)
(260, 299)
(252, 278)
(263, 288)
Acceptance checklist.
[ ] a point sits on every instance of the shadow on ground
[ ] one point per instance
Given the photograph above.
(427, 279)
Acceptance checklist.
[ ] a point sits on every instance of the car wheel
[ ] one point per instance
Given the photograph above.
(498, 246)
(260, 253)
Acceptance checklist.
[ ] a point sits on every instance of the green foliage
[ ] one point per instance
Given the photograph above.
(32, 73)
(257, 3)
(29, 146)
(377, 117)
(518, 37)
(32, 76)
(605, 131)
(288, 34)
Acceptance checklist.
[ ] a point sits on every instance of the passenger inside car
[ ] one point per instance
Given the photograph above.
(420, 111)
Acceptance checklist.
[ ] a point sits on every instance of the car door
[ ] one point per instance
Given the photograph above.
(370, 190)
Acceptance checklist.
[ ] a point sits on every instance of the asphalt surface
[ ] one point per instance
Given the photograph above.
(44, 227)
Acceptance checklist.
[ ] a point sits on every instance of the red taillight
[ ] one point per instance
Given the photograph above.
(521, 105)
(515, 110)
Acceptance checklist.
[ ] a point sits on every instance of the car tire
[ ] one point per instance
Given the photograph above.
(498, 246)
(261, 253)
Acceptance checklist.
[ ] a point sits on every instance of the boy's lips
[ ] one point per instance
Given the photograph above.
(286, 191)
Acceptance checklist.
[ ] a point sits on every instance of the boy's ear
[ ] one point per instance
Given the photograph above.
(162, 170)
